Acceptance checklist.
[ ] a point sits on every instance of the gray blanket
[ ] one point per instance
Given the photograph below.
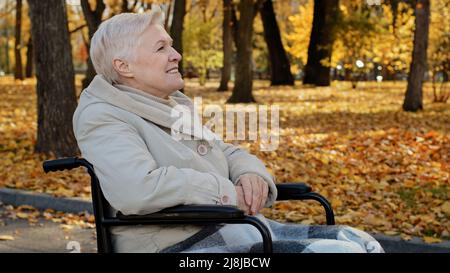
(287, 238)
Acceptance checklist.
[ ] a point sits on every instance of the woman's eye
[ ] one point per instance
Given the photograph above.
(161, 48)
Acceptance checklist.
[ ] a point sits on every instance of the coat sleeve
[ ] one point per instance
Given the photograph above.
(241, 162)
(130, 178)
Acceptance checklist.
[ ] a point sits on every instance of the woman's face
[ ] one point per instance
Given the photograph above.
(155, 66)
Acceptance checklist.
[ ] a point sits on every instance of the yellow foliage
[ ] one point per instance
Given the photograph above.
(298, 39)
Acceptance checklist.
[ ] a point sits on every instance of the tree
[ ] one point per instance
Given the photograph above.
(394, 5)
(18, 71)
(320, 43)
(413, 95)
(7, 23)
(30, 59)
(298, 38)
(439, 49)
(93, 19)
(176, 29)
(280, 67)
(125, 7)
(227, 44)
(242, 91)
(204, 51)
(55, 77)
(395, 45)
(169, 11)
(356, 39)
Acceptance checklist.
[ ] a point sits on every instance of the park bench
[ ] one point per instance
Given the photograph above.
(183, 214)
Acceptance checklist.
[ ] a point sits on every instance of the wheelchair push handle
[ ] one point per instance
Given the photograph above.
(62, 164)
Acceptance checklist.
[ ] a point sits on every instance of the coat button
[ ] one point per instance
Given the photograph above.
(225, 199)
(202, 149)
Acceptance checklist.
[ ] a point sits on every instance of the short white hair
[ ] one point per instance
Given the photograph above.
(118, 37)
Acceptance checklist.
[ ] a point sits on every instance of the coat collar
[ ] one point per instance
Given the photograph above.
(143, 104)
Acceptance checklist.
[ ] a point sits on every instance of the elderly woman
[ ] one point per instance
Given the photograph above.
(123, 126)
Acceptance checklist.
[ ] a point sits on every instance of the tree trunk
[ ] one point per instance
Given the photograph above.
(413, 96)
(55, 77)
(169, 11)
(93, 20)
(124, 7)
(242, 91)
(30, 55)
(227, 46)
(6, 6)
(321, 42)
(234, 23)
(18, 71)
(279, 63)
(176, 29)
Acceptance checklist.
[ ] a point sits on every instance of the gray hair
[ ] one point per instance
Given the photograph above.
(117, 37)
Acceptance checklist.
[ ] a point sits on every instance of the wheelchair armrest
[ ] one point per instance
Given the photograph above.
(61, 164)
(66, 163)
(196, 214)
(290, 191)
(189, 212)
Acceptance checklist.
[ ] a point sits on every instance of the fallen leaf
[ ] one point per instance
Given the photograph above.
(405, 237)
(373, 220)
(431, 240)
(335, 202)
(391, 233)
(22, 215)
(446, 207)
(6, 238)
(66, 227)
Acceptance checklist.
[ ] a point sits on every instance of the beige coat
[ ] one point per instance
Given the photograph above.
(123, 132)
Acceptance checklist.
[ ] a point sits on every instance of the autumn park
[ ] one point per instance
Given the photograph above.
(361, 86)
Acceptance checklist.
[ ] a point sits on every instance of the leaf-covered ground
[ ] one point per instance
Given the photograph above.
(384, 170)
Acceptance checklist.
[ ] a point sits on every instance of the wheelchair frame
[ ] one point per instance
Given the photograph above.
(183, 214)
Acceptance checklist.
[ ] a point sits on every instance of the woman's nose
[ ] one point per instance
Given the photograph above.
(174, 56)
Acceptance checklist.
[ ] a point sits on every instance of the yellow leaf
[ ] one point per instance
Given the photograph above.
(373, 220)
(66, 227)
(431, 240)
(325, 161)
(335, 202)
(446, 207)
(391, 233)
(344, 219)
(307, 222)
(22, 215)
(405, 237)
(392, 205)
(409, 183)
(6, 238)
(378, 197)
(26, 207)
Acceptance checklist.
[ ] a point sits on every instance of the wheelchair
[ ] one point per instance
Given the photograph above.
(182, 214)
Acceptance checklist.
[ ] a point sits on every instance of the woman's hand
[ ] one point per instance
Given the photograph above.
(255, 191)
(241, 201)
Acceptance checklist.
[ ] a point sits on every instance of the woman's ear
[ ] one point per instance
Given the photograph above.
(122, 68)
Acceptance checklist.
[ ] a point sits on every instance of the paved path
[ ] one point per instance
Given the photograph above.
(45, 236)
